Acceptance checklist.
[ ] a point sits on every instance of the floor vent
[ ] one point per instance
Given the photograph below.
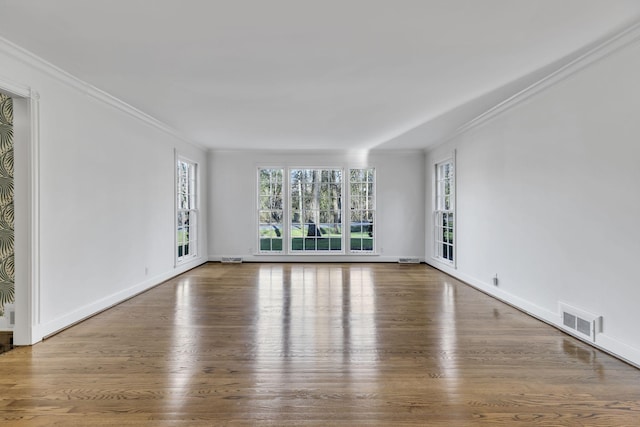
(231, 260)
(408, 261)
(582, 323)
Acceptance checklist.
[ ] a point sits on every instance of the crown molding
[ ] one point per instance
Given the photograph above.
(318, 151)
(600, 50)
(32, 60)
(14, 89)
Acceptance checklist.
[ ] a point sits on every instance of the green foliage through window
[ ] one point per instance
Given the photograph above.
(187, 210)
(271, 214)
(444, 211)
(362, 209)
(306, 208)
(316, 209)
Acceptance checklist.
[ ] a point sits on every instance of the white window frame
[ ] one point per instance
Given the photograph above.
(444, 212)
(371, 208)
(287, 212)
(291, 215)
(284, 230)
(192, 209)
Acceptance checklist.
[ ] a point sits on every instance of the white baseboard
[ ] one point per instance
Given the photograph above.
(56, 325)
(605, 343)
(619, 349)
(312, 258)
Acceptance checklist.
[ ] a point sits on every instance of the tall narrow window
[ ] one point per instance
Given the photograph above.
(187, 210)
(444, 214)
(315, 210)
(270, 209)
(362, 209)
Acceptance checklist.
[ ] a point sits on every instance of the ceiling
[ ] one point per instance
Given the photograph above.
(302, 74)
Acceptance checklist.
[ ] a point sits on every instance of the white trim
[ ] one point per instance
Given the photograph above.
(14, 89)
(347, 213)
(605, 343)
(351, 157)
(95, 307)
(454, 210)
(317, 257)
(487, 288)
(290, 250)
(320, 254)
(176, 157)
(600, 51)
(186, 259)
(345, 167)
(27, 202)
(34, 210)
(284, 233)
(617, 348)
(70, 80)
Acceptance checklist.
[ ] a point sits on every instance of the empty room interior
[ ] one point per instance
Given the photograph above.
(356, 212)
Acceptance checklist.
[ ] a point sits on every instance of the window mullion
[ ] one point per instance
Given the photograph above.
(286, 211)
(444, 220)
(186, 231)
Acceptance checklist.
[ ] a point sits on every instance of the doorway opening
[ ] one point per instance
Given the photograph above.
(19, 265)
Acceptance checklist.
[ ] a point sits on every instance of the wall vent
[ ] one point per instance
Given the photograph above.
(408, 261)
(231, 260)
(581, 323)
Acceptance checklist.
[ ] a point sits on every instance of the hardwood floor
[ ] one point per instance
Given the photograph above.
(314, 344)
(6, 341)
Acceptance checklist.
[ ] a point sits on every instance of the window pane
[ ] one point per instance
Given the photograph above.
(315, 202)
(270, 227)
(370, 174)
(265, 202)
(187, 203)
(265, 217)
(361, 205)
(444, 215)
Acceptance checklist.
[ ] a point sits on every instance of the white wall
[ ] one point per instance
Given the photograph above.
(400, 201)
(548, 199)
(106, 200)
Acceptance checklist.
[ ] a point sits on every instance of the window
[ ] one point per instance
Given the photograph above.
(306, 215)
(362, 209)
(187, 210)
(270, 209)
(444, 213)
(315, 210)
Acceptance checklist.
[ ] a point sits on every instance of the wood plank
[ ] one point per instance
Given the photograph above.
(314, 344)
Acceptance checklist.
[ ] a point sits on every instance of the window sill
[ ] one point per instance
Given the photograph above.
(444, 261)
(336, 253)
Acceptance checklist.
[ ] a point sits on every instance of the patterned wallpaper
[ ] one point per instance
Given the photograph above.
(7, 266)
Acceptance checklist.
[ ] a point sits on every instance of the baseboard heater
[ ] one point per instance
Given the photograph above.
(231, 260)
